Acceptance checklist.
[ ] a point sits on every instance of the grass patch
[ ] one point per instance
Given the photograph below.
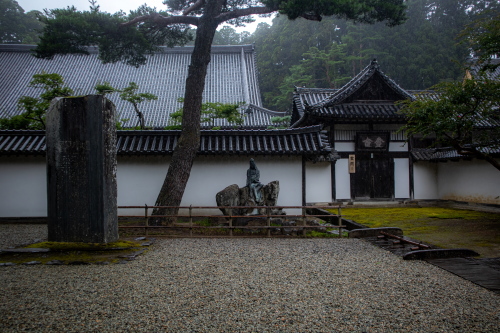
(442, 227)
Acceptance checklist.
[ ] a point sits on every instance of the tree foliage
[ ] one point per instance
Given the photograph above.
(483, 36)
(35, 109)
(417, 55)
(71, 31)
(465, 117)
(131, 95)
(128, 94)
(16, 26)
(209, 113)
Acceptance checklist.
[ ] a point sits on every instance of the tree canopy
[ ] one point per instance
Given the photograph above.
(417, 55)
(16, 26)
(483, 36)
(466, 115)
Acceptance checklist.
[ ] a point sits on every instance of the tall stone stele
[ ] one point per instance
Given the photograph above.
(81, 170)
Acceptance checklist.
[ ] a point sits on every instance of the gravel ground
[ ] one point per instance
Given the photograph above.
(245, 285)
(12, 235)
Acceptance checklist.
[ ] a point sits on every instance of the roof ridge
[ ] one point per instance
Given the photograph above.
(163, 49)
(357, 81)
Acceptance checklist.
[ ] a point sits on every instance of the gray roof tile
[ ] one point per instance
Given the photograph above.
(446, 154)
(310, 141)
(231, 78)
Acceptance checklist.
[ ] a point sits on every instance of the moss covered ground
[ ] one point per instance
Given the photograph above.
(75, 252)
(442, 227)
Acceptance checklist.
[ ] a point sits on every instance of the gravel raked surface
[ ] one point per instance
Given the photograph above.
(247, 285)
(12, 235)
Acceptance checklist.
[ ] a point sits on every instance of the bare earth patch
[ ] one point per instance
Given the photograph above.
(442, 227)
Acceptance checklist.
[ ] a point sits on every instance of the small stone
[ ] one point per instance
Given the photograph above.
(140, 238)
(78, 262)
(55, 262)
(32, 263)
(7, 264)
(26, 250)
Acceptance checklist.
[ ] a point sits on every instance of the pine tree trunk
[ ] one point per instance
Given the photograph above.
(187, 147)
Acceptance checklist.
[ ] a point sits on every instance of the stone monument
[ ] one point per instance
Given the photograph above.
(81, 170)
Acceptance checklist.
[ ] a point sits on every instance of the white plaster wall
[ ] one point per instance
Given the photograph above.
(140, 179)
(23, 190)
(401, 178)
(342, 179)
(318, 182)
(344, 146)
(425, 180)
(398, 146)
(23, 187)
(472, 181)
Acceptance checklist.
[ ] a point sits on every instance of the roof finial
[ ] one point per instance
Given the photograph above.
(374, 63)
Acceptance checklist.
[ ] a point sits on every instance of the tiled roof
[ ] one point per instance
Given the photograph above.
(445, 154)
(355, 84)
(231, 78)
(256, 116)
(355, 101)
(22, 142)
(310, 141)
(310, 96)
(475, 69)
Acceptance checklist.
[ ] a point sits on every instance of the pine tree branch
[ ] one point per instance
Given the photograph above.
(162, 21)
(226, 16)
(198, 4)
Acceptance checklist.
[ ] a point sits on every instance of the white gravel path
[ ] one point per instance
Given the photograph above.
(246, 285)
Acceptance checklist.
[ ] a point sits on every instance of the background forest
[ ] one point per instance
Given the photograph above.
(418, 54)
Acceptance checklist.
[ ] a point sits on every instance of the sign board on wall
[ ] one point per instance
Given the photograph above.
(372, 141)
(352, 163)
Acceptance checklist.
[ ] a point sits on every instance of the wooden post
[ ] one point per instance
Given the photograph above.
(304, 221)
(268, 222)
(146, 216)
(339, 216)
(190, 221)
(231, 223)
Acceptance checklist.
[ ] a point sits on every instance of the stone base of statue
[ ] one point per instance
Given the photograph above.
(233, 195)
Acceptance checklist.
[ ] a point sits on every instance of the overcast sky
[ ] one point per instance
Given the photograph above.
(110, 6)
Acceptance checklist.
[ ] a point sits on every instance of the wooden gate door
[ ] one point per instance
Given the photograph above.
(374, 178)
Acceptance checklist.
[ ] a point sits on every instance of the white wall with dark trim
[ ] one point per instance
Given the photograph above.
(471, 181)
(23, 181)
(140, 179)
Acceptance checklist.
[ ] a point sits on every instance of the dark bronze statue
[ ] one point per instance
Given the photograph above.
(253, 182)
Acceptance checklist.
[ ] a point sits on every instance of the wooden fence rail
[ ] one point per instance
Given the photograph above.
(190, 216)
